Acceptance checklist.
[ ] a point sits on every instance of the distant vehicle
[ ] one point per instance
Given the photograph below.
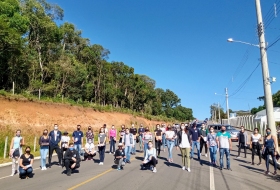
(233, 132)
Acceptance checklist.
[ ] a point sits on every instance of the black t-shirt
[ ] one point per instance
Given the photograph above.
(133, 131)
(26, 161)
(158, 132)
(242, 137)
(119, 153)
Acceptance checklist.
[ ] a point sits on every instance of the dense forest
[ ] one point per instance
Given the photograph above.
(38, 54)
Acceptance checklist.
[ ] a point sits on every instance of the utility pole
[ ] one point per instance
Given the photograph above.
(227, 107)
(219, 113)
(265, 72)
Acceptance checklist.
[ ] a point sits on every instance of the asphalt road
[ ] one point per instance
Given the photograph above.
(169, 176)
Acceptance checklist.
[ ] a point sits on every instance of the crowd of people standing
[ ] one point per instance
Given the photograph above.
(185, 137)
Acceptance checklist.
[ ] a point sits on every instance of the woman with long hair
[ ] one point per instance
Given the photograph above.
(25, 164)
(170, 140)
(44, 143)
(101, 145)
(16, 150)
(212, 145)
(269, 150)
(255, 144)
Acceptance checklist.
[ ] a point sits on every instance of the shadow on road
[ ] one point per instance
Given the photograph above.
(172, 164)
(239, 160)
(163, 158)
(139, 158)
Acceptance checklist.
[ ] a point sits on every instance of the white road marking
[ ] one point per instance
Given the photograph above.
(212, 182)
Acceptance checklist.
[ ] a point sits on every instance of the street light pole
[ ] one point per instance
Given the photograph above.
(227, 107)
(219, 113)
(265, 72)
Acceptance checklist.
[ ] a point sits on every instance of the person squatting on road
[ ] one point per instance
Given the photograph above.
(128, 142)
(89, 150)
(195, 134)
(119, 157)
(256, 144)
(44, 142)
(212, 145)
(184, 142)
(150, 159)
(102, 145)
(25, 164)
(269, 150)
(158, 139)
(223, 139)
(72, 159)
(16, 151)
(112, 138)
(203, 139)
(242, 141)
(55, 138)
(170, 140)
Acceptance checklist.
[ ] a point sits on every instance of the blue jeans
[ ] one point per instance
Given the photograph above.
(170, 145)
(213, 153)
(78, 147)
(197, 145)
(222, 152)
(101, 150)
(23, 172)
(163, 141)
(43, 153)
(112, 145)
(127, 151)
(145, 148)
(133, 149)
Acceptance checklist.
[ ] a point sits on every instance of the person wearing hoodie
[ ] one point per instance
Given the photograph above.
(72, 159)
(242, 141)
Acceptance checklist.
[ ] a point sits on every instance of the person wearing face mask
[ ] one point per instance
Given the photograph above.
(158, 139)
(89, 134)
(195, 134)
(89, 150)
(170, 140)
(25, 164)
(242, 141)
(223, 140)
(101, 145)
(128, 142)
(16, 150)
(184, 142)
(113, 136)
(141, 132)
(212, 145)
(122, 132)
(255, 144)
(119, 157)
(269, 146)
(203, 139)
(133, 131)
(163, 129)
(55, 138)
(147, 136)
(150, 159)
(72, 159)
(44, 143)
(77, 137)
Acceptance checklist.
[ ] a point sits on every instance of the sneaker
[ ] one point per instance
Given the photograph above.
(154, 170)
(189, 170)
(229, 169)
(142, 166)
(100, 163)
(110, 153)
(12, 174)
(266, 173)
(200, 154)
(183, 168)
(119, 169)
(206, 155)
(151, 168)
(253, 163)
(274, 173)
(238, 157)
(259, 164)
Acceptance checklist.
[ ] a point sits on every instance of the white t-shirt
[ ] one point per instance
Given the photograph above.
(185, 141)
(89, 147)
(170, 134)
(65, 139)
(256, 138)
(163, 129)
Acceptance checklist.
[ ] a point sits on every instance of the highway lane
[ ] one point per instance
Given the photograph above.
(169, 176)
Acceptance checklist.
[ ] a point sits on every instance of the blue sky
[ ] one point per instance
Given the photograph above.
(182, 45)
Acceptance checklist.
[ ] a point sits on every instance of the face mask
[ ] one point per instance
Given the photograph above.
(211, 131)
(55, 128)
(89, 129)
(89, 142)
(150, 146)
(18, 135)
(45, 133)
(182, 127)
(113, 127)
(28, 151)
(79, 129)
(255, 132)
(268, 132)
(223, 130)
(71, 148)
